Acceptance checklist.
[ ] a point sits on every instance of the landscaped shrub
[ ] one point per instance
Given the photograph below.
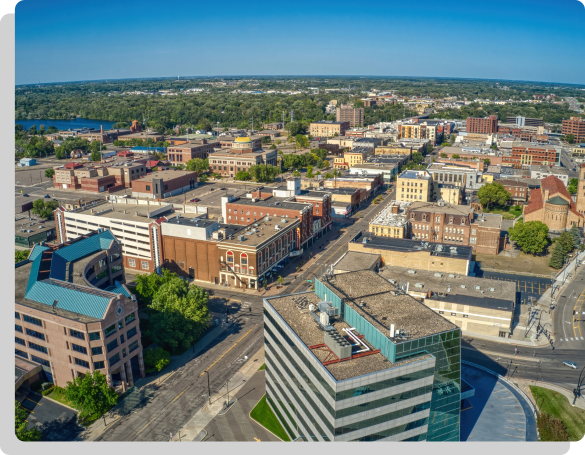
(551, 429)
(156, 359)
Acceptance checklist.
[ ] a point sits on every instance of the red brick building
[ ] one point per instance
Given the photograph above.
(576, 127)
(180, 154)
(486, 125)
(517, 189)
(161, 184)
(526, 153)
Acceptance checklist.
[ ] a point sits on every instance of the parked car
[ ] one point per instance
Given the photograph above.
(25, 195)
(195, 199)
(47, 196)
(570, 364)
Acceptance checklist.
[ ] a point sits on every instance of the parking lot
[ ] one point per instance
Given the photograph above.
(527, 286)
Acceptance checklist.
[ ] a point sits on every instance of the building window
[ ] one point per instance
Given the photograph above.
(18, 328)
(17, 315)
(144, 265)
(76, 334)
(133, 346)
(112, 345)
(114, 359)
(97, 350)
(130, 318)
(147, 187)
(440, 312)
(131, 263)
(472, 239)
(81, 363)
(78, 348)
(230, 257)
(132, 332)
(32, 320)
(110, 330)
(94, 336)
(453, 314)
(34, 333)
(20, 341)
(20, 353)
(40, 360)
(99, 365)
(465, 315)
(38, 347)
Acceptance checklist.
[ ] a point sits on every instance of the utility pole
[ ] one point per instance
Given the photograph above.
(208, 388)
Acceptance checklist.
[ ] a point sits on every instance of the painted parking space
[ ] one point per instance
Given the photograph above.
(526, 285)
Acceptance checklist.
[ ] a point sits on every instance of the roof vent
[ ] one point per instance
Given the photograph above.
(411, 271)
(241, 238)
(477, 288)
(392, 281)
(491, 289)
(438, 275)
(462, 286)
(266, 218)
(451, 275)
(418, 285)
(277, 227)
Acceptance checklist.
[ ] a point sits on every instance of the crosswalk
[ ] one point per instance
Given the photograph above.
(571, 339)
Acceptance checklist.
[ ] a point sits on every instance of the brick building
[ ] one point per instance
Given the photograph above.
(454, 224)
(414, 186)
(576, 127)
(518, 190)
(161, 184)
(327, 128)
(180, 154)
(72, 315)
(244, 152)
(526, 153)
(347, 113)
(273, 126)
(98, 179)
(552, 204)
(486, 125)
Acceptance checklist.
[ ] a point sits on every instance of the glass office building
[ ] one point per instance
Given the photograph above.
(364, 385)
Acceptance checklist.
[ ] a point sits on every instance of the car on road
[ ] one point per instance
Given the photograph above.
(25, 195)
(570, 364)
(47, 196)
(195, 199)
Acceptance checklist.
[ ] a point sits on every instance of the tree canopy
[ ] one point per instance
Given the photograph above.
(91, 394)
(43, 208)
(198, 165)
(20, 424)
(573, 184)
(531, 237)
(493, 194)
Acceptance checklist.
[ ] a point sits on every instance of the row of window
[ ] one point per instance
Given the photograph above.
(132, 263)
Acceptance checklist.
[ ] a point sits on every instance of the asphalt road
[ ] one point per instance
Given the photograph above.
(569, 330)
(526, 286)
(176, 400)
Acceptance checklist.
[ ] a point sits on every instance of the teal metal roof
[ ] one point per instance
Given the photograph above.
(85, 300)
(557, 200)
(120, 289)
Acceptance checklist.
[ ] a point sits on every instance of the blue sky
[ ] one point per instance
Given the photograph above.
(69, 40)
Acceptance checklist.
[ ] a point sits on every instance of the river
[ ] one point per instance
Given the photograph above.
(67, 124)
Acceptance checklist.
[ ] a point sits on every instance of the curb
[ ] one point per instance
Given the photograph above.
(252, 418)
(59, 403)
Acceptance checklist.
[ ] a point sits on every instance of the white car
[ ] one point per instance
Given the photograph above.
(570, 364)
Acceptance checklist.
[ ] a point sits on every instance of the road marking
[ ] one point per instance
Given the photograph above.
(222, 356)
(26, 409)
(571, 339)
(512, 436)
(177, 397)
(517, 429)
(27, 398)
(256, 439)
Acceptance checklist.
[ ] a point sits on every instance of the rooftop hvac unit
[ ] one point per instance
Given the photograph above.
(266, 218)
(241, 238)
(411, 271)
(328, 308)
(439, 248)
(277, 227)
(438, 275)
(418, 285)
(392, 281)
(462, 286)
(284, 220)
(477, 288)
(324, 318)
(451, 275)
(491, 289)
(312, 307)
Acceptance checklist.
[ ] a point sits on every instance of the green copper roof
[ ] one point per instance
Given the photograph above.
(557, 200)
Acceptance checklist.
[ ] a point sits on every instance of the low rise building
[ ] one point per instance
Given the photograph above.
(451, 194)
(526, 153)
(475, 305)
(273, 126)
(469, 178)
(369, 182)
(540, 172)
(578, 150)
(414, 186)
(327, 128)
(517, 188)
(244, 152)
(181, 154)
(29, 232)
(415, 254)
(73, 314)
(391, 221)
(352, 157)
(388, 166)
(163, 184)
(352, 261)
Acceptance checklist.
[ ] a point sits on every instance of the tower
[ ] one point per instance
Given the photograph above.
(581, 190)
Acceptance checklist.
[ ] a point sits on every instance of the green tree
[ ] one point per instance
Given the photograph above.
(493, 194)
(44, 209)
(443, 155)
(20, 424)
(320, 153)
(60, 153)
(96, 156)
(295, 128)
(266, 140)
(328, 175)
(120, 125)
(566, 241)
(198, 165)
(429, 147)
(486, 161)
(570, 138)
(156, 359)
(417, 157)
(325, 164)
(20, 255)
(310, 172)
(531, 237)
(302, 141)
(573, 184)
(576, 235)
(558, 257)
(280, 280)
(273, 147)
(455, 156)
(49, 173)
(243, 175)
(91, 394)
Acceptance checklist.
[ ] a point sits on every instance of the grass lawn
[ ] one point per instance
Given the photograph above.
(558, 406)
(262, 367)
(265, 417)
(57, 394)
(508, 212)
(523, 263)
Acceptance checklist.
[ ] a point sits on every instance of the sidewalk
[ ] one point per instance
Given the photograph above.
(204, 416)
(524, 384)
(144, 388)
(542, 341)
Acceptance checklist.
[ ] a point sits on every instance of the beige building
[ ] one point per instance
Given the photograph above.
(326, 128)
(414, 186)
(396, 148)
(391, 222)
(578, 150)
(451, 194)
(353, 157)
(415, 254)
(347, 113)
(475, 305)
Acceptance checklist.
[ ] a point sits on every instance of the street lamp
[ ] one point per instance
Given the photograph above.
(208, 388)
(577, 391)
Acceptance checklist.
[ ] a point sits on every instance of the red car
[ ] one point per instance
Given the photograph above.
(195, 199)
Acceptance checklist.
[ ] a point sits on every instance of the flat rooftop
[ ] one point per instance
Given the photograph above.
(261, 231)
(414, 175)
(352, 261)
(165, 175)
(129, 212)
(192, 222)
(409, 245)
(434, 207)
(273, 201)
(35, 226)
(488, 220)
(384, 306)
(501, 298)
(387, 218)
(310, 333)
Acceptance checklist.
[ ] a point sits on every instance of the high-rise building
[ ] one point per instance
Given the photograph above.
(343, 364)
(347, 113)
(486, 125)
(576, 127)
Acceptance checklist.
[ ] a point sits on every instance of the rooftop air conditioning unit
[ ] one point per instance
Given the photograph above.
(418, 285)
(462, 286)
(451, 275)
(412, 272)
(277, 227)
(491, 289)
(438, 275)
(477, 288)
